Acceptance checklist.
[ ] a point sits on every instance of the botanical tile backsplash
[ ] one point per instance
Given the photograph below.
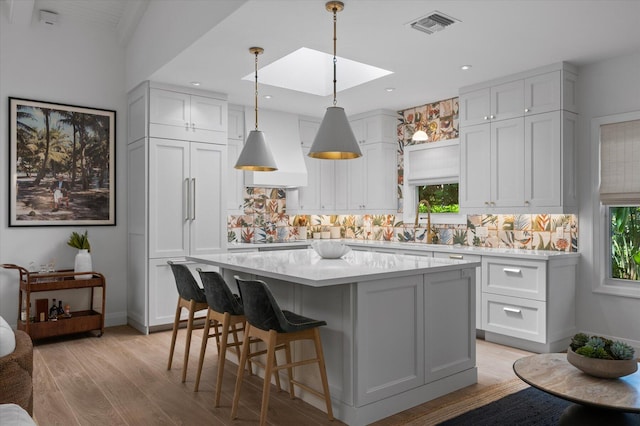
(265, 221)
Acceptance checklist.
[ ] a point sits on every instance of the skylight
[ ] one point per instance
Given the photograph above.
(310, 71)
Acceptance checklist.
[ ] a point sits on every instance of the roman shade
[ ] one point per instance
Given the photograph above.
(620, 163)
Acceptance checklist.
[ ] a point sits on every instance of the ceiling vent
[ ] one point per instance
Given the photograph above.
(433, 22)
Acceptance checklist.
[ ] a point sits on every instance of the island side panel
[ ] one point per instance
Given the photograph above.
(449, 300)
(389, 337)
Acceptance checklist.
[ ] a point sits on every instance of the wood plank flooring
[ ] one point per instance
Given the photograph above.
(121, 378)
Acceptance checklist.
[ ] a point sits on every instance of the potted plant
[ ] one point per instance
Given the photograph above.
(601, 357)
(83, 257)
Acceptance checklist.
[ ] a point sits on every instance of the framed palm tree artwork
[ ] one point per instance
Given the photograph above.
(62, 164)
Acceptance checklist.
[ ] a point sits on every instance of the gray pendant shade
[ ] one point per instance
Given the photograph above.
(255, 155)
(335, 139)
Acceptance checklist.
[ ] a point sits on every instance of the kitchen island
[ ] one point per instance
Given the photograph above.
(400, 328)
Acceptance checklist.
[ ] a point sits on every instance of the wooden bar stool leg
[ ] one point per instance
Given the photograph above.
(176, 324)
(266, 387)
(187, 346)
(323, 371)
(203, 348)
(222, 356)
(241, 365)
(287, 350)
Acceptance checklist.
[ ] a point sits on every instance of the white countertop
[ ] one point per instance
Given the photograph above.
(480, 251)
(308, 268)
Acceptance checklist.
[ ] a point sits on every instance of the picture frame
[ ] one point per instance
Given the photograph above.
(61, 164)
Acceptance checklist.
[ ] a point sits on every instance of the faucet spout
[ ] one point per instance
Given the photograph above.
(429, 233)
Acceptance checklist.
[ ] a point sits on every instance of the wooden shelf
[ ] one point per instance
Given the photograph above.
(91, 319)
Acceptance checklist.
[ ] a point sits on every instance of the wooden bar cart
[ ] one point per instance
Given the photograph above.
(79, 321)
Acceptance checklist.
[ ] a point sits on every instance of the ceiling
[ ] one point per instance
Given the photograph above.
(496, 37)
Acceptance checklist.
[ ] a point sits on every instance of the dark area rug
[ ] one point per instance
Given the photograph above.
(532, 407)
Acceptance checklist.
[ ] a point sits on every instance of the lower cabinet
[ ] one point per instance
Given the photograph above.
(529, 303)
(472, 258)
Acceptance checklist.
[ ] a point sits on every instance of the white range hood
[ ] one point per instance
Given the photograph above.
(282, 133)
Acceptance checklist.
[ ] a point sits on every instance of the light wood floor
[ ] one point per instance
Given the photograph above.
(121, 378)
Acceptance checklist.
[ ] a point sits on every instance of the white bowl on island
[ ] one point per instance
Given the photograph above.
(330, 249)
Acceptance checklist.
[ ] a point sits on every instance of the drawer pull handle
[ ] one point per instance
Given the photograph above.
(456, 256)
(514, 310)
(512, 270)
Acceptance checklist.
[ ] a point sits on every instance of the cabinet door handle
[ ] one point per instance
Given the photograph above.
(511, 270)
(193, 199)
(492, 117)
(186, 126)
(186, 201)
(526, 110)
(193, 126)
(514, 310)
(526, 203)
(456, 256)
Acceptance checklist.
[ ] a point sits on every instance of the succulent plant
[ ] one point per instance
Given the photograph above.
(620, 350)
(600, 347)
(578, 341)
(595, 342)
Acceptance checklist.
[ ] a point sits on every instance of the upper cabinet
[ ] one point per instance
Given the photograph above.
(517, 143)
(235, 184)
(186, 116)
(548, 91)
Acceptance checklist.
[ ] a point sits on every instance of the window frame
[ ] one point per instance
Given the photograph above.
(604, 283)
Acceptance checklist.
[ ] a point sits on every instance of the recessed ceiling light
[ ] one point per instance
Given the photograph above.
(267, 96)
(195, 83)
(390, 89)
(465, 67)
(306, 70)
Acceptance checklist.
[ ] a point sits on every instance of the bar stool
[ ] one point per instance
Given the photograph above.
(192, 298)
(225, 312)
(267, 322)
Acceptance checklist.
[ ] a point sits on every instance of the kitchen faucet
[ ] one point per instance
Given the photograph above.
(429, 232)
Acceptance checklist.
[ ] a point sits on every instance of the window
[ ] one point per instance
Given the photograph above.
(625, 243)
(618, 241)
(443, 198)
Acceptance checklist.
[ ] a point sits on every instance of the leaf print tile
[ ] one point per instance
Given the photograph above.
(542, 222)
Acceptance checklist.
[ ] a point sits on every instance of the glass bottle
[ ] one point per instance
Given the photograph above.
(53, 312)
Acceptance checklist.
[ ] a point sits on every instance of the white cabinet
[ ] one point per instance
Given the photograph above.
(178, 115)
(472, 258)
(235, 183)
(236, 123)
(175, 205)
(491, 166)
(186, 191)
(517, 144)
(235, 142)
(529, 303)
(372, 179)
(534, 94)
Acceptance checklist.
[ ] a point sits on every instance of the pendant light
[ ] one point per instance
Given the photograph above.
(255, 155)
(335, 139)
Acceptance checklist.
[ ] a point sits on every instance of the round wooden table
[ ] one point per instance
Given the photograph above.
(600, 401)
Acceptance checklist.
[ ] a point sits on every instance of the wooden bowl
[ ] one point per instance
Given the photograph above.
(603, 368)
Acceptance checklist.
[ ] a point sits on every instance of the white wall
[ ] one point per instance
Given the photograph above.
(79, 66)
(605, 88)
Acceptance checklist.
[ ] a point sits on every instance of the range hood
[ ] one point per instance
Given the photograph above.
(282, 133)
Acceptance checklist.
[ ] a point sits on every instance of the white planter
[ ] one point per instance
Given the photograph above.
(83, 264)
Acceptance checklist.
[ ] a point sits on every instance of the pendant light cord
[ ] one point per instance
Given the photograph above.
(256, 93)
(335, 19)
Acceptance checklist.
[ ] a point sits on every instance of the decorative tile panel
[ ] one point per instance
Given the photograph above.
(266, 221)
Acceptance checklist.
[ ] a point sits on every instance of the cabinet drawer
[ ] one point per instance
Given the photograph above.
(516, 317)
(514, 277)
